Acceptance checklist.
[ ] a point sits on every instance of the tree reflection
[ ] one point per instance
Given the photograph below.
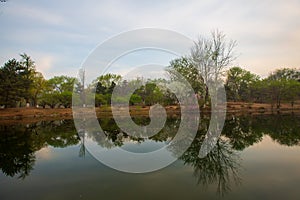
(16, 151)
(220, 166)
(18, 144)
(284, 129)
(114, 137)
(60, 133)
(244, 131)
(241, 132)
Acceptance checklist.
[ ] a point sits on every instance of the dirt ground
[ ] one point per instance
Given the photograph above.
(38, 114)
(233, 107)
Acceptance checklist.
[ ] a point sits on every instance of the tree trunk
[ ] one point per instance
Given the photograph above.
(206, 95)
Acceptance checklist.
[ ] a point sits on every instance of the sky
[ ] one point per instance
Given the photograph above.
(60, 35)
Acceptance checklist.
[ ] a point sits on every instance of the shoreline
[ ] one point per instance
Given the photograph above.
(44, 114)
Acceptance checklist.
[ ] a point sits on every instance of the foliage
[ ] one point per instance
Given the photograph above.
(39, 84)
(185, 68)
(285, 73)
(21, 84)
(61, 83)
(135, 99)
(11, 86)
(17, 81)
(58, 92)
(19, 143)
(28, 71)
(238, 84)
(277, 88)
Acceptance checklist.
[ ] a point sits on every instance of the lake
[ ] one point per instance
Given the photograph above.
(256, 157)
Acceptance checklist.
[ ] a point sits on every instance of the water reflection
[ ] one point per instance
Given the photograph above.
(244, 131)
(18, 143)
(17, 151)
(220, 168)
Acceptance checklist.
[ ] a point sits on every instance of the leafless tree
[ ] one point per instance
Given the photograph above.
(211, 56)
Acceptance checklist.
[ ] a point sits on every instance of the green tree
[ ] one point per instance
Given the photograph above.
(50, 99)
(152, 94)
(274, 91)
(285, 73)
(38, 86)
(105, 83)
(11, 85)
(100, 99)
(238, 84)
(21, 82)
(65, 99)
(28, 71)
(135, 99)
(185, 68)
(292, 92)
(282, 85)
(58, 91)
(62, 83)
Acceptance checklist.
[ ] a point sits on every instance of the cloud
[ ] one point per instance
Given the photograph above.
(44, 63)
(32, 13)
(64, 32)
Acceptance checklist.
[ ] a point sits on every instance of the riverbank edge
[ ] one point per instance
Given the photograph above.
(40, 114)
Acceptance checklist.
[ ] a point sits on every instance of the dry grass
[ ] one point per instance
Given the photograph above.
(38, 114)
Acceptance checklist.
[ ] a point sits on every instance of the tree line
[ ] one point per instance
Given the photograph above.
(22, 85)
(281, 86)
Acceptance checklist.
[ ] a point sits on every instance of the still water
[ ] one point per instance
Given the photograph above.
(257, 157)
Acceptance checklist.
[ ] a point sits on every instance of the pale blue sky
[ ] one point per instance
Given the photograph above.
(59, 35)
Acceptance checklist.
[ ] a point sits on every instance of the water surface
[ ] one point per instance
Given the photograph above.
(257, 157)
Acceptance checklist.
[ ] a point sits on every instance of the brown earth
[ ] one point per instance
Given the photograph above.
(242, 107)
(39, 114)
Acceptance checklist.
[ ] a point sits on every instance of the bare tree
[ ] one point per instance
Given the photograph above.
(211, 56)
(81, 87)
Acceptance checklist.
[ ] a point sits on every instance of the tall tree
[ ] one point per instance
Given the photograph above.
(28, 71)
(38, 86)
(211, 56)
(11, 85)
